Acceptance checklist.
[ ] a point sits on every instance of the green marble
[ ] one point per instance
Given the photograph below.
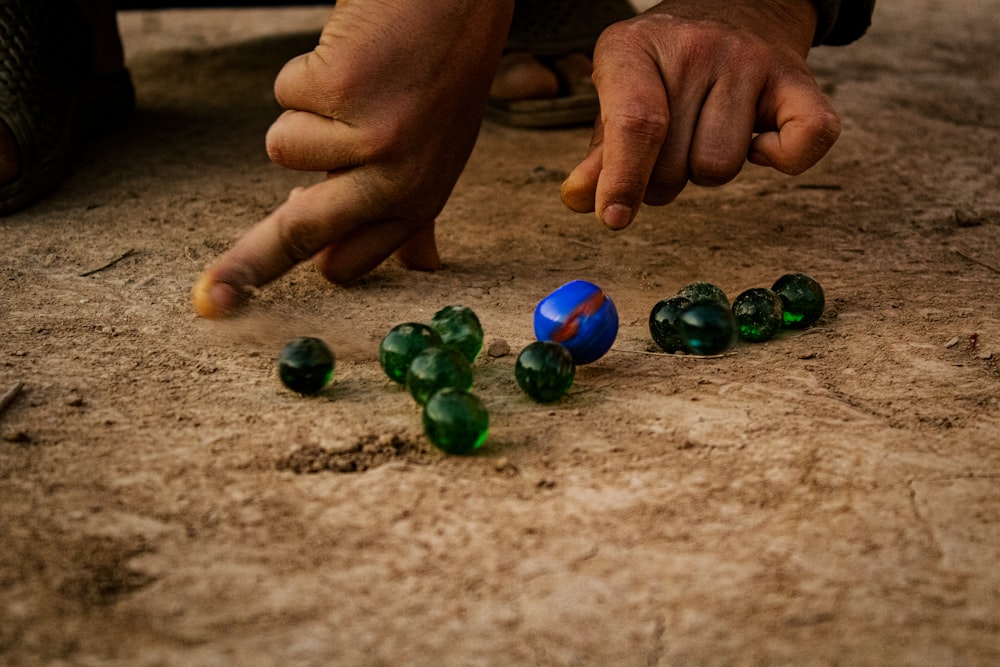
(401, 345)
(663, 323)
(802, 297)
(305, 365)
(459, 327)
(544, 371)
(455, 421)
(436, 368)
(707, 328)
(759, 314)
(702, 291)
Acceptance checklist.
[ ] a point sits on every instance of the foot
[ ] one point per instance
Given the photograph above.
(108, 59)
(523, 76)
(10, 161)
(109, 56)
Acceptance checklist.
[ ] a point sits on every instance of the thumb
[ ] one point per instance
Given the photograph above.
(579, 190)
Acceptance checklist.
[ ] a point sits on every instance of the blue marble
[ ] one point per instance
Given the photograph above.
(580, 317)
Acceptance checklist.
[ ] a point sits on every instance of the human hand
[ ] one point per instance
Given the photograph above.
(689, 91)
(389, 105)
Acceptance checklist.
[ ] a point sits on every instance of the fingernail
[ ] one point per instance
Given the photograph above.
(618, 216)
(215, 299)
(225, 297)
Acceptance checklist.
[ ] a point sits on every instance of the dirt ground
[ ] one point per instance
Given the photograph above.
(828, 497)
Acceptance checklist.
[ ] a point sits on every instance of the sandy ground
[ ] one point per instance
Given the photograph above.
(828, 497)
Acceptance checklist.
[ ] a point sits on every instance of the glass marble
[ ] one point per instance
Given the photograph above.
(701, 291)
(580, 317)
(455, 421)
(707, 328)
(544, 370)
(401, 345)
(759, 314)
(305, 365)
(436, 368)
(802, 297)
(459, 327)
(663, 323)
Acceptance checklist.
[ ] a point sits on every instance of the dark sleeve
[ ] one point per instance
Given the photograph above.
(842, 21)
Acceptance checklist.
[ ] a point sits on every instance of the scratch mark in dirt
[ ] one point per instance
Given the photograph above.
(922, 521)
(657, 649)
(370, 451)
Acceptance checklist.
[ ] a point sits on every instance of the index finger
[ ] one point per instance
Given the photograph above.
(635, 115)
(312, 219)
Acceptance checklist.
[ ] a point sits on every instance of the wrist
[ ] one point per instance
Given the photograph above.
(792, 23)
(842, 22)
(800, 19)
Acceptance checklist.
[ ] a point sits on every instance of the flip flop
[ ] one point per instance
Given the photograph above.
(549, 29)
(49, 94)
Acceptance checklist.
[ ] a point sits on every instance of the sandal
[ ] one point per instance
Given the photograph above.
(551, 30)
(50, 96)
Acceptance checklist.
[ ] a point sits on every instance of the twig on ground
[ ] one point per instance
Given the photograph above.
(127, 253)
(819, 186)
(11, 394)
(976, 261)
(679, 355)
(582, 244)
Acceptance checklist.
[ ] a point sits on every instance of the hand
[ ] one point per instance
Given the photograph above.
(684, 88)
(389, 106)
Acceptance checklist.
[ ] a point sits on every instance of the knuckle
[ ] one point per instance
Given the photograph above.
(312, 82)
(828, 128)
(296, 240)
(622, 34)
(626, 188)
(822, 133)
(643, 123)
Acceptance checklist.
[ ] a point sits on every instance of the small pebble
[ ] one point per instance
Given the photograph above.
(498, 348)
(968, 217)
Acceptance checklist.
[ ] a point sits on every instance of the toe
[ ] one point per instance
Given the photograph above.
(521, 76)
(576, 71)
